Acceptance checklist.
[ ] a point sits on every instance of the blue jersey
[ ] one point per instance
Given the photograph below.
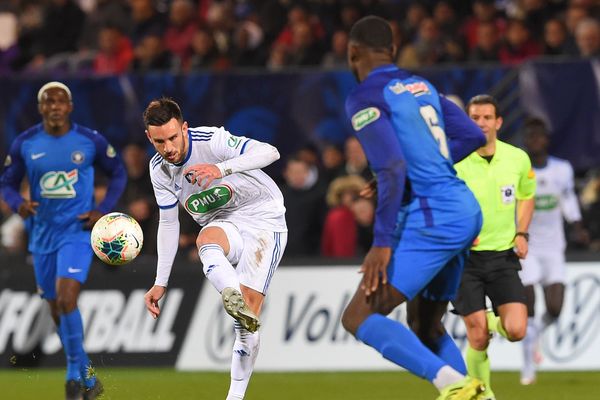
(400, 120)
(60, 171)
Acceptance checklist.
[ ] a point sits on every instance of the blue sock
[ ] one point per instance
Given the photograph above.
(88, 375)
(71, 334)
(400, 345)
(450, 353)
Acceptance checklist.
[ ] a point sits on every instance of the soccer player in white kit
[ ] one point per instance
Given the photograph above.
(216, 177)
(555, 199)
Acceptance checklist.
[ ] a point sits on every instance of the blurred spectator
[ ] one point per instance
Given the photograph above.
(483, 11)
(62, 26)
(298, 14)
(145, 20)
(220, 19)
(332, 160)
(573, 16)
(304, 50)
(340, 230)
(309, 153)
(106, 12)
(115, 52)
(415, 14)
(555, 37)
(205, 54)
(518, 45)
(535, 15)
(8, 40)
(356, 161)
(590, 199)
(488, 44)
(444, 16)
(29, 40)
(304, 196)
(278, 57)
(336, 57)
(587, 36)
(150, 55)
(364, 214)
(180, 30)
(248, 40)
(13, 238)
(349, 14)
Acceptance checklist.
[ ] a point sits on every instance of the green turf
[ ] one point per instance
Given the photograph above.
(155, 383)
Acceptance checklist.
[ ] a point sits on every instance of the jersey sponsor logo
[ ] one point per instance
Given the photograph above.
(508, 194)
(546, 202)
(417, 88)
(208, 200)
(8, 161)
(35, 156)
(397, 88)
(77, 157)
(59, 184)
(234, 141)
(110, 152)
(365, 117)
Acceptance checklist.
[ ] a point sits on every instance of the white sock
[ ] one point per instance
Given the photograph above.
(245, 351)
(217, 268)
(529, 344)
(446, 376)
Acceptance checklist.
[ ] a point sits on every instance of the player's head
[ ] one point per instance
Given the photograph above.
(536, 137)
(483, 109)
(55, 106)
(166, 129)
(370, 44)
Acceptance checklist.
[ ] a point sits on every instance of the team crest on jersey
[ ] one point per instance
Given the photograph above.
(59, 184)
(77, 157)
(364, 117)
(234, 141)
(208, 200)
(397, 88)
(7, 161)
(508, 194)
(110, 152)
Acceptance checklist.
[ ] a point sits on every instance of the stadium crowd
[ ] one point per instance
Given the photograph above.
(118, 36)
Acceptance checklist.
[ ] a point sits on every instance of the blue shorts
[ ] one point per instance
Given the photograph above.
(72, 261)
(431, 260)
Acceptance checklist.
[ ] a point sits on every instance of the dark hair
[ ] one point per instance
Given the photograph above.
(161, 111)
(484, 99)
(372, 32)
(535, 125)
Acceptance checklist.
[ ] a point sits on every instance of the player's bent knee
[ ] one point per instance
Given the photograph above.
(516, 331)
(66, 304)
(351, 321)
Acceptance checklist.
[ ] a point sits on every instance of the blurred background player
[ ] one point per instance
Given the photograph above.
(398, 120)
(503, 182)
(58, 157)
(555, 199)
(217, 177)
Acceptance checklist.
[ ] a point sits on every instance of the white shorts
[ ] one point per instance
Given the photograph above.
(255, 253)
(545, 269)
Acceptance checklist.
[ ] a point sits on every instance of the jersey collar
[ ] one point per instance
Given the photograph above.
(383, 68)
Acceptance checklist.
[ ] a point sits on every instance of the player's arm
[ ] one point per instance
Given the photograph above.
(464, 136)
(238, 154)
(569, 206)
(382, 148)
(112, 166)
(525, 206)
(10, 182)
(167, 242)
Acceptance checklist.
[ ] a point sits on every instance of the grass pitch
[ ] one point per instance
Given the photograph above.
(158, 384)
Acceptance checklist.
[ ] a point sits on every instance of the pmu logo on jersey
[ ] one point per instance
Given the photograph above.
(208, 200)
(59, 184)
(365, 117)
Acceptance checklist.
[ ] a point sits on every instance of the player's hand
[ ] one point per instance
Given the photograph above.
(90, 218)
(521, 247)
(27, 208)
(369, 190)
(151, 299)
(203, 174)
(374, 268)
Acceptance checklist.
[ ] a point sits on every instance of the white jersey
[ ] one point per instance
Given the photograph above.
(249, 197)
(554, 199)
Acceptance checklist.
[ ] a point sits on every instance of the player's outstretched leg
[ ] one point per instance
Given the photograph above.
(71, 334)
(528, 373)
(466, 389)
(236, 306)
(245, 351)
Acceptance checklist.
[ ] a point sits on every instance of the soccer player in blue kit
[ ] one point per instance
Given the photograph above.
(426, 218)
(58, 158)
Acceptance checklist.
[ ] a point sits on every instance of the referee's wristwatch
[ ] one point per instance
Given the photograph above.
(524, 234)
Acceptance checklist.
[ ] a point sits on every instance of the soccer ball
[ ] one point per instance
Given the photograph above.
(117, 238)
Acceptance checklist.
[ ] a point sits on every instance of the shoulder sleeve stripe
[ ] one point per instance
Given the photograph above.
(244, 146)
(169, 206)
(194, 139)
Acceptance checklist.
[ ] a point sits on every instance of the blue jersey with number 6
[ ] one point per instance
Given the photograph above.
(401, 121)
